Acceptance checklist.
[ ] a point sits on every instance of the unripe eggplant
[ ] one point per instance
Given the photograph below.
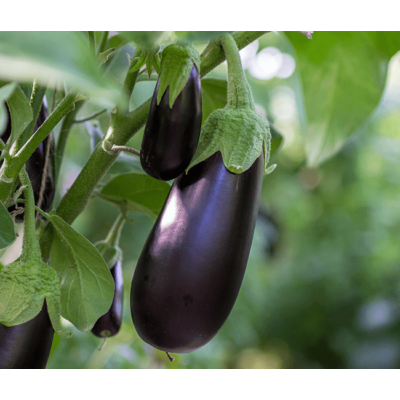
(27, 345)
(110, 323)
(172, 134)
(35, 165)
(191, 268)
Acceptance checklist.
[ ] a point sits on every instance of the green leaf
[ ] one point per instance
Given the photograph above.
(7, 232)
(21, 114)
(214, 95)
(343, 76)
(87, 286)
(54, 57)
(6, 92)
(1, 266)
(24, 286)
(176, 65)
(103, 57)
(135, 192)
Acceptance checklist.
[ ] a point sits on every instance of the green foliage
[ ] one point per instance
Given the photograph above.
(137, 192)
(7, 232)
(200, 36)
(66, 56)
(87, 287)
(147, 40)
(176, 65)
(6, 91)
(213, 95)
(343, 75)
(23, 288)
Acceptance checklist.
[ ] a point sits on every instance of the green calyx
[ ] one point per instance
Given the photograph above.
(176, 65)
(237, 131)
(150, 58)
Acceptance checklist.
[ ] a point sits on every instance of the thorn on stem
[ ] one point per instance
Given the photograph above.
(169, 356)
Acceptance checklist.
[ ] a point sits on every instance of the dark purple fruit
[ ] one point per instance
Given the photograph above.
(190, 270)
(171, 135)
(35, 166)
(27, 345)
(110, 323)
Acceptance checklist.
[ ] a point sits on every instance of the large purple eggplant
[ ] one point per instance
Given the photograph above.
(35, 165)
(191, 268)
(27, 345)
(172, 134)
(110, 323)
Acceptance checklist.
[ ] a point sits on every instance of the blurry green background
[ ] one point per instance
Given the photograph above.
(322, 285)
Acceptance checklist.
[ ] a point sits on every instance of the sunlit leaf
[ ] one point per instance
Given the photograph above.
(54, 57)
(343, 76)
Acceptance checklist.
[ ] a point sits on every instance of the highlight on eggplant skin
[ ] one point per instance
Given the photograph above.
(27, 345)
(35, 165)
(172, 134)
(191, 268)
(109, 324)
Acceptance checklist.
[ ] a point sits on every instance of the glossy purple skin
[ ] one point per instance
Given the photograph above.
(191, 268)
(171, 135)
(110, 323)
(35, 166)
(27, 345)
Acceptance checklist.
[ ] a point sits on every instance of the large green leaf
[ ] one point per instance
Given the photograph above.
(343, 76)
(53, 57)
(136, 192)
(87, 286)
(7, 232)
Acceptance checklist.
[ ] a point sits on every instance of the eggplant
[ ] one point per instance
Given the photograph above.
(110, 323)
(191, 268)
(171, 135)
(27, 345)
(35, 165)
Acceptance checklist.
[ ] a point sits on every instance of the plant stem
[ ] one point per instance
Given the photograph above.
(115, 232)
(239, 92)
(35, 102)
(121, 130)
(92, 42)
(89, 117)
(11, 169)
(63, 137)
(130, 82)
(213, 54)
(30, 244)
(102, 43)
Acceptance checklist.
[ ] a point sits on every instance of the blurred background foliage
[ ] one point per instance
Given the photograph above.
(322, 286)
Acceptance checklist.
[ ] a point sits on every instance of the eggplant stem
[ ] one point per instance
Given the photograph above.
(103, 344)
(117, 149)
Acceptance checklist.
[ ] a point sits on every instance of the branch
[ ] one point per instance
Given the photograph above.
(10, 170)
(89, 117)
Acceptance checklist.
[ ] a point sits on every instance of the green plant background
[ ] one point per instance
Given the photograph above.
(329, 295)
